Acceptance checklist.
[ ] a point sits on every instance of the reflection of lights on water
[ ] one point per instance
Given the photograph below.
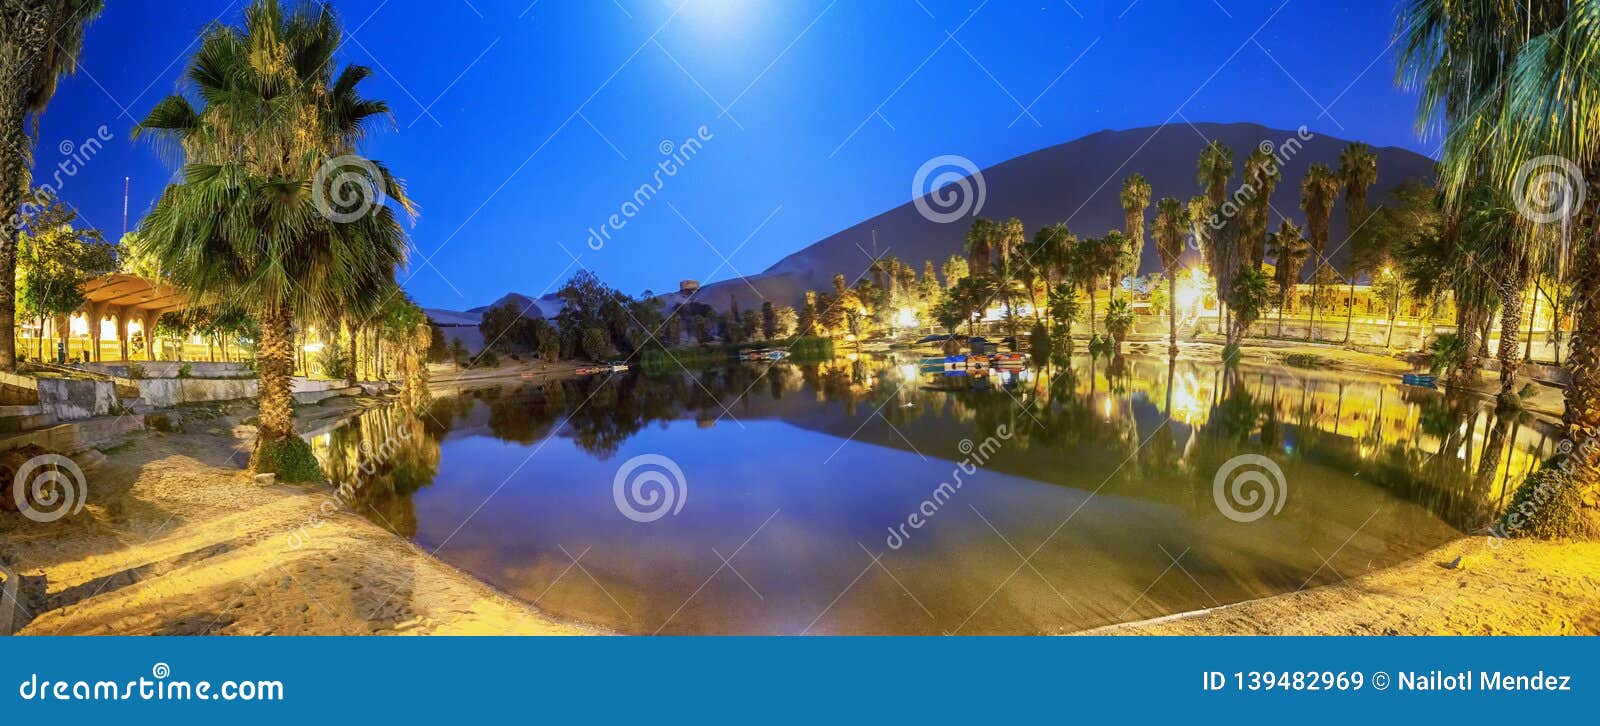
(852, 357)
(910, 371)
(1105, 405)
(1185, 398)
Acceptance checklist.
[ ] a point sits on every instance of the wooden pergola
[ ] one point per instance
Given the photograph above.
(128, 297)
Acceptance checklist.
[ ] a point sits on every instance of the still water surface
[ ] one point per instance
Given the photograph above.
(812, 501)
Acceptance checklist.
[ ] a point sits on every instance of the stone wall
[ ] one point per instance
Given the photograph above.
(70, 399)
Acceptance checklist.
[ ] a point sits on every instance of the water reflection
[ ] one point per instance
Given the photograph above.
(1097, 508)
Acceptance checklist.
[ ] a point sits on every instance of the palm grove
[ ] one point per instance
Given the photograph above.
(263, 111)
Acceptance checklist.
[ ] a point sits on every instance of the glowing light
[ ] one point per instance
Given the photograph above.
(313, 347)
(907, 318)
(910, 371)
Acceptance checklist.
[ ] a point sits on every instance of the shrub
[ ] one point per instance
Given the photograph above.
(1302, 360)
(137, 372)
(186, 371)
(290, 458)
(486, 359)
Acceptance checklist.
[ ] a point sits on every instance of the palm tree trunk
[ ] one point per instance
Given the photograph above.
(1582, 419)
(1350, 308)
(1172, 329)
(1316, 293)
(275, 368)
(1511, 292)
(14, 153)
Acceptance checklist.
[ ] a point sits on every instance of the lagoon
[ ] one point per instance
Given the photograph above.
(864, 496)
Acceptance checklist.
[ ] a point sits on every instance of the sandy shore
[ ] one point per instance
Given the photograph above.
(1516, 587)
(177, 539)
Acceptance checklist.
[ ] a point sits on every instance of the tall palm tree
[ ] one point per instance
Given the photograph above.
(1289, 250)
(1318, 190)
(43, 40)
(1214, 170)
(1135, 202)
(252, 216)
(1261, 173)
(1172, 224)
(979, 245)
(1518, 82)
(1358, 171)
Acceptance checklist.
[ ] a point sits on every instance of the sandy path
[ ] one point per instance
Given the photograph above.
(1516, 588)
(176, 539)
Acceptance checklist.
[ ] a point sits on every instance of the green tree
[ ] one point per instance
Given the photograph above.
(1318, 190)
(1135, 200)
(1289, 250)
(246, 220)
(54, 260)
(43, 40)
(1358, 171)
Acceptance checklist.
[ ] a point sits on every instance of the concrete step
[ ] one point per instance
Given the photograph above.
(30, 422)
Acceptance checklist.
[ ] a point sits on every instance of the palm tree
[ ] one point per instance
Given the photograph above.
(1289, 249)
(1517, 82)
(1213, 171)
(980, 241)
(1318, 190)
(1172, 223)
(43, 41)
(1135, 202)
(252, 217)
(1358, 171)
(1261, 173)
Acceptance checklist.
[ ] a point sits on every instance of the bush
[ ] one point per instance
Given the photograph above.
(1549, 505)
(290, 458)
(186, 371)
(486, 359)
(1302, 360)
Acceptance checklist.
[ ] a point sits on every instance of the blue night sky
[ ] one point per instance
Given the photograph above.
(520, 126)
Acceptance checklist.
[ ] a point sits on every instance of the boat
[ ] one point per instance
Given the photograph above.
(776, 354)
(616, 366)
(1424, 380)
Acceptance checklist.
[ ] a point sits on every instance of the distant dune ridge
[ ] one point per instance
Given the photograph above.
(1078, 182)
